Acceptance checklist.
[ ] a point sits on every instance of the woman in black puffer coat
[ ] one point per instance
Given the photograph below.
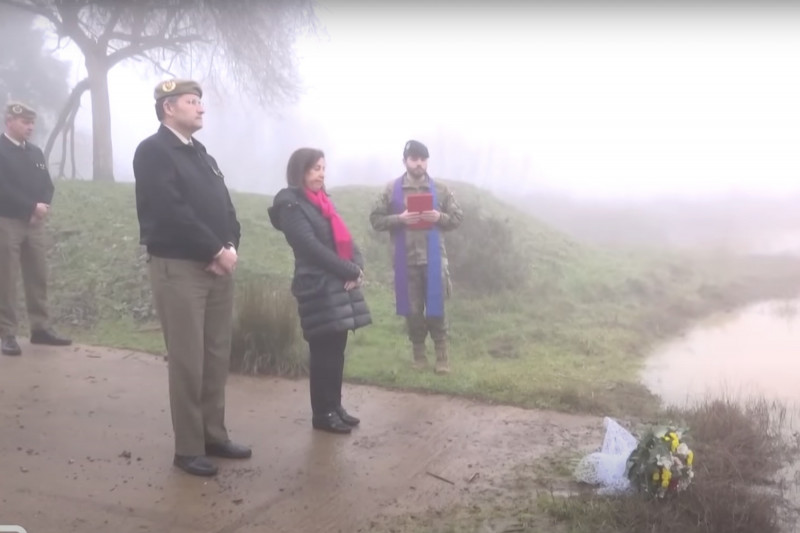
(328, 272)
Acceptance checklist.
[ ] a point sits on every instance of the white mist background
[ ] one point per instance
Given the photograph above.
(622, 103)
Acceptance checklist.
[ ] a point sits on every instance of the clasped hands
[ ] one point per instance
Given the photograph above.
(409, 218)
(39, 213)
(224, 262)
(353, 284)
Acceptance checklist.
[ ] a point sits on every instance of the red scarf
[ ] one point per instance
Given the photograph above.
(341, 235)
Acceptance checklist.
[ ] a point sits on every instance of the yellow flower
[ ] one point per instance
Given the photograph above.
(656, 476)
(674, 446)
(665, 477)
(690, 458)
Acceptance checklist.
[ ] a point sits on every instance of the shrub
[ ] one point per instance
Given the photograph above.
(267, 338)
(740, 449)
(483, 255)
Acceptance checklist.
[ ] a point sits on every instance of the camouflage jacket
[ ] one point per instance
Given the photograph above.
(382, 217)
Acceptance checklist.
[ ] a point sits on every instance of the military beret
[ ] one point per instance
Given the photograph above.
(18, 109)
(415, 148)
(174, 87)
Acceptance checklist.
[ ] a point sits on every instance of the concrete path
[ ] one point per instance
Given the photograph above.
(86, 445)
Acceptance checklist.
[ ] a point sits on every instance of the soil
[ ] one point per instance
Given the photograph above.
(86, 445)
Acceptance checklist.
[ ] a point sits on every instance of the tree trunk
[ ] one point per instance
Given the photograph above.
(102, 151)
(64, 154)
(72, 146)
(68, 145)
(69, 109)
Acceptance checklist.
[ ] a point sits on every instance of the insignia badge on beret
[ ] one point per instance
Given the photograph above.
(168, 86)
(17, 109)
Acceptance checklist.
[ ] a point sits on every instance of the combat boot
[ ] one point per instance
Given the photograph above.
(442, 365)
(420, 358)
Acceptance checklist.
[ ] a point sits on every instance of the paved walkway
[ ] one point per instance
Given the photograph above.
(86, 445)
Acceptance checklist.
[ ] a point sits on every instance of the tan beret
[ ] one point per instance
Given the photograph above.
(18, 109)
(174, 87)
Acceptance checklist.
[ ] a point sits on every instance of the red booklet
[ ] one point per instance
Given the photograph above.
(417, 203)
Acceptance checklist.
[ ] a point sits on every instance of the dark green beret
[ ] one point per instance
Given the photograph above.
(18, 109)
(175, 87)
(415, 148)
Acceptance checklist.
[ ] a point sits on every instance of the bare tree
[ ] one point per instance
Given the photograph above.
(28, 71)
(246, 43)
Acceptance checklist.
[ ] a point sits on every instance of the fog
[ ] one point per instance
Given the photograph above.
(614, 102)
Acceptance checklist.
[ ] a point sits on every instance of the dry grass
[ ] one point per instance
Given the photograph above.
(267, 338)
(738, 443)
(739, 450)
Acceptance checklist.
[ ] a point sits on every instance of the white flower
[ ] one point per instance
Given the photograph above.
(664, 460)
(683, 449)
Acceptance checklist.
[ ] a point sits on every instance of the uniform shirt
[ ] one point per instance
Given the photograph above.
(15, 142)
(383, 218)
(179, 135)
(24, 179)
(182, 202)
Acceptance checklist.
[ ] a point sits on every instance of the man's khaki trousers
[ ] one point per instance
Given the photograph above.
(196, 311)
(23, 246)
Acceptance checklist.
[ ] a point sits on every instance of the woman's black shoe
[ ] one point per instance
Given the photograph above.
(330, 422)
(347, 418)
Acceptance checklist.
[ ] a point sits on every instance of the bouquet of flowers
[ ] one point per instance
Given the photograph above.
(661, 464)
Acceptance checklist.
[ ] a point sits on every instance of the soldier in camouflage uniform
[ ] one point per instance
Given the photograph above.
(422, 279)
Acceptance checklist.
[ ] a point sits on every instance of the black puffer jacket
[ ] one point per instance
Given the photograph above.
(319, 273)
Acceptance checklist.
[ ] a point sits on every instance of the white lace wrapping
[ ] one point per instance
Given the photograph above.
(607, 467)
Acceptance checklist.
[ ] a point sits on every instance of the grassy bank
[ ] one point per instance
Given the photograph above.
(744, 482)
(570, 335)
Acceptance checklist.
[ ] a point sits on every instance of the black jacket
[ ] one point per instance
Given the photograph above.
(184, 208)
(319, 273)
(24, 179)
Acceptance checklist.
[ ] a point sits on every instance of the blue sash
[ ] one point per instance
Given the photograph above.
(434, 298)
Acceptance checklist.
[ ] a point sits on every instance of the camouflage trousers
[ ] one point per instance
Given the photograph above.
(418, 325)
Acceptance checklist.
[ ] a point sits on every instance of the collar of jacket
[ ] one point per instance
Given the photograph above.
(300, 192)
(8, 140)
(166, 134)
(424, 183)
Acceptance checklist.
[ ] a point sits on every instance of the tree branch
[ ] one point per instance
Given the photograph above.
(156, 40)
(145, 45)
(138, 24)
(50, 15)
(71, 26)
(110, 25)
(72, 103)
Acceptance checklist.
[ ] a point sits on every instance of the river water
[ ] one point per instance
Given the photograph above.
(753, 352)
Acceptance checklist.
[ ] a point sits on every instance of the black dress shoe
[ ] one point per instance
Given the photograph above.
(9, 346)
(330, 422)
(46, 336)
(229, 450)
(346, 417)
(197, 465)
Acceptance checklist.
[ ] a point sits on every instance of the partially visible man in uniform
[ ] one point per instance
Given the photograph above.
(189, 226)
(26, 192)
(422, 279)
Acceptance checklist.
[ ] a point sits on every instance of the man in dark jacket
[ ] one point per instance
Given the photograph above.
(189, 226)
(26, 192)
